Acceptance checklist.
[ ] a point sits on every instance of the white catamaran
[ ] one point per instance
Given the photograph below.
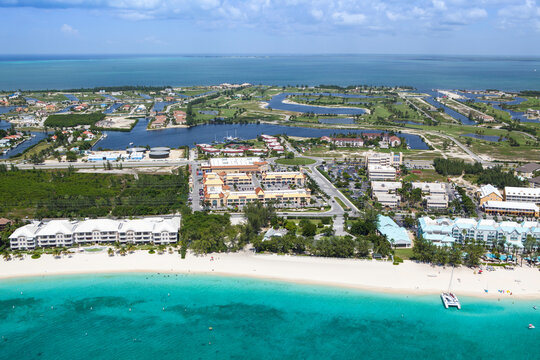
(448, 298)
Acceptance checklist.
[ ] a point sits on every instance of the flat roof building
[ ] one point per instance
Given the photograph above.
(380, 172)
(248, 165)
(522, 194)
(511, 208)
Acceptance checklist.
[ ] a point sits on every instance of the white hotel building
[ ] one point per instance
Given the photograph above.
(521, 194)
(57, 233)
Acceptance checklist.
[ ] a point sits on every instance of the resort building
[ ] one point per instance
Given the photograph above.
(284, 178)
(64, 233)
(444, 231)
(396, 234)
(381, 172)
(522, 194)
(248, 165)
(384, 159)
(488, 193)
(511, 208)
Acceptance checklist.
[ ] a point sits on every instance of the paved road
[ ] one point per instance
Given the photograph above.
(325, 184)
(89, 165)
(195, 198)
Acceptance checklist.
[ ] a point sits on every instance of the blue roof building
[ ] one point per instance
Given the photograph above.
(444, 231)
(396, 234)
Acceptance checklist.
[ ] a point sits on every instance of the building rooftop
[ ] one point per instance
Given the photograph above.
(396, 234)
(488, 190)
(528, 168)
(511, 205)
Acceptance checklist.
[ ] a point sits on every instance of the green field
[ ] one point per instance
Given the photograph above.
(38, 193)
(295, 161)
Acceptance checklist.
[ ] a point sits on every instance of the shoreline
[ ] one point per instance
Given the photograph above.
(408, 278)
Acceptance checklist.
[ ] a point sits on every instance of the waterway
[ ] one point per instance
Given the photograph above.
(492, 138)
(177, 137)
(276, 102)
(37, 137)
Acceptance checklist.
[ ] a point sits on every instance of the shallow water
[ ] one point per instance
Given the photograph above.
(89, 317)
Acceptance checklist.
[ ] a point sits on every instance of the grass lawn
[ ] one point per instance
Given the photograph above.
(405, 254)
(295, 161)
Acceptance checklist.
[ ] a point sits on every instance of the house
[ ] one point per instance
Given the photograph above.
(527, 170)
(274, 233)
(394, 141)
(396, 235)
(488, 193)
(180, 116)
(535, 182)
(4, 223)
(160, 121)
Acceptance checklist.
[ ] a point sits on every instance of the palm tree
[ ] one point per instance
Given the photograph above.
(130, 248)
(57, 252)
(6, 255)
(110, 251)
(123, 251)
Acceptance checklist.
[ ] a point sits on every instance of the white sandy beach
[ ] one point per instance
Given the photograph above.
(409, 277)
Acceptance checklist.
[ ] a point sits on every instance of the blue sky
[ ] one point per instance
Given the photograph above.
(501, 27)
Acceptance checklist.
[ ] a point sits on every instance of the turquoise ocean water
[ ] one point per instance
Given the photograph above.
(88, 317)
(421, 71)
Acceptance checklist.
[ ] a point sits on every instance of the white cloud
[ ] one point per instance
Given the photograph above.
(69, 30)
(317, 13)
(345, 18)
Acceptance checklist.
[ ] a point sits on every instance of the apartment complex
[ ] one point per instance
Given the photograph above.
(444, 231)
(56, 233)
(522, 194)
(218, 192)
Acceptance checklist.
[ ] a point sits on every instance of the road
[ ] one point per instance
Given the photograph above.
(195, 197)
(325, 184)
(90, 165)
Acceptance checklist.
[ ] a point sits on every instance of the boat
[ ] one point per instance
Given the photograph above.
(531, 326)
(449, 299)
